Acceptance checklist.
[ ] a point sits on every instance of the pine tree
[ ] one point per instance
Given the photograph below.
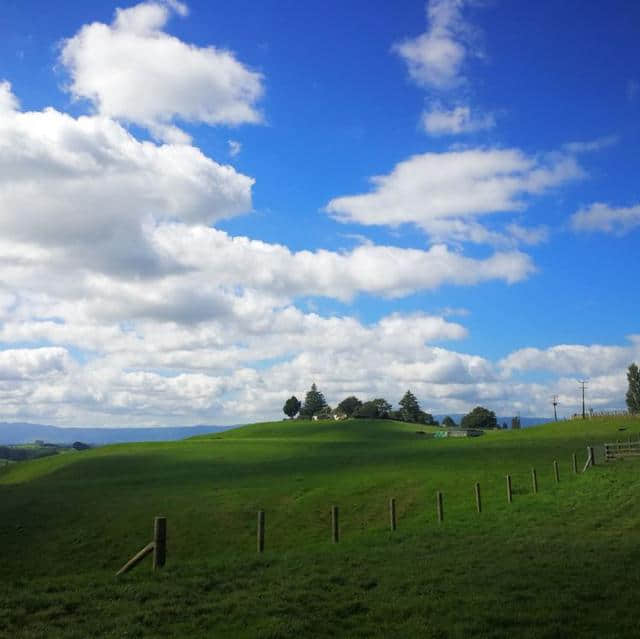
(314, 402)
(633, 394)
(409, 407)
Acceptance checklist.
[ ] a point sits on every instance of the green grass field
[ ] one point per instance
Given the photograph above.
(564, 562)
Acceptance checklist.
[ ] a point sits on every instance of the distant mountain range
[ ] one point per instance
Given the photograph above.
(21, 433)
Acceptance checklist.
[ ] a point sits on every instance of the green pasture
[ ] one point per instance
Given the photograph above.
(564, 562)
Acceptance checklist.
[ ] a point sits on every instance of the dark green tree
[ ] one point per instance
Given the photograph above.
(479, 417)
(291, 407)
(368, 410)
(447, 422)
(314, 403)
(515, 422)
(383, 406)
(325, 412)
(348, 406)
(633, 394)
(409, 407)
(427, 419)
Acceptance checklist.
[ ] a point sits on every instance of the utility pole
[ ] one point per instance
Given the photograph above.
(583, 383)
(554, 401)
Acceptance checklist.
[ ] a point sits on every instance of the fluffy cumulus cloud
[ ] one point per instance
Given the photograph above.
(388, 271)
(32, 363)
(436, 57)
(134, 71)
(606, 218)
(574, 359)
(439, 120)
(85, 187)
(444, 193)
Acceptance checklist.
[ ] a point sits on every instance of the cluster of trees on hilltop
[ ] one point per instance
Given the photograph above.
(315, 406)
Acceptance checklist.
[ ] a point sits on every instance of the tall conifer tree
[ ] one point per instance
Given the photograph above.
(314, 402)
(633, 394)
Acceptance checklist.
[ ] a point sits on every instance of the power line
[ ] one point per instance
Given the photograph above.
(583, 383)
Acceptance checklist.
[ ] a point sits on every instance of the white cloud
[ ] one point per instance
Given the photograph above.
(86, 188)
(591, 145)
(134, 71)
(443, 193)
(242, 367)
(603, 217)
(528, 235)
(234, 147)
(32, 363)
(575, 359)
(380, 270)
(436, 58)
(8, 101)
(439, 120)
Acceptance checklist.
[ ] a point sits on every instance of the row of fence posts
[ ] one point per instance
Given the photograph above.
(159, 544)
(335, 525)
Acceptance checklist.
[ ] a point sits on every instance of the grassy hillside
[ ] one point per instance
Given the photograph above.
(562, 562)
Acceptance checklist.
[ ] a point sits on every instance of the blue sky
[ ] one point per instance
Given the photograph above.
(206, 207)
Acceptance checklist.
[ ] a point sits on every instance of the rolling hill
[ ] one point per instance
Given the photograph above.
(559, 563)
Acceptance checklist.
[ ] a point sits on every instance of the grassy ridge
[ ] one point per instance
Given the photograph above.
(67, 523)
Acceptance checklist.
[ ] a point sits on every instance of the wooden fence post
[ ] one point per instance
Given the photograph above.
(159, 542)
(392, 513)
(136, 559)
(260, 539)
(574, 464)
(509, 494)
(478, 499)
(439, 507)
(335, 525)
(534, 481)
(556, 472)
(591, 460)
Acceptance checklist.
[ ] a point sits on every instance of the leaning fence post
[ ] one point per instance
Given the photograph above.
(392, 513)
(159, 542)
(439, 507)
(574, 464)
(534, 481)
(509, 495)
(592, 455)
(556, 472)
(260, 539)
(335, 525)
(478, 499)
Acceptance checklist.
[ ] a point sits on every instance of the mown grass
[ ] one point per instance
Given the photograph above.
(559, 563)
